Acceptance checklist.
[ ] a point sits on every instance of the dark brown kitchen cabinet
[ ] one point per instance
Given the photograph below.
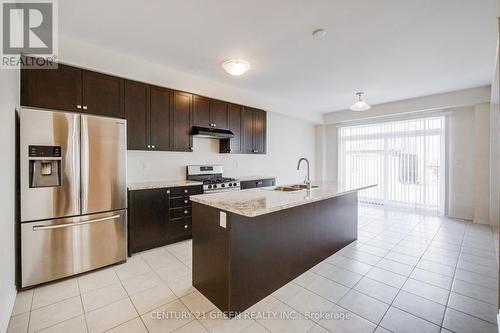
(259, 131)
(219, 114)
(147, 110)
(73, 89)
(247, 131)
(234, 144)
(136, 113)
(210, 112)
(159, 216)
(160, 128)
(182, 121)
(57, 89)
(102, 94)
(201, 111)
(148, 219)
(254, 130)
(157, 118)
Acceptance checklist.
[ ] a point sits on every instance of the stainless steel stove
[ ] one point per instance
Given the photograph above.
(211, 176)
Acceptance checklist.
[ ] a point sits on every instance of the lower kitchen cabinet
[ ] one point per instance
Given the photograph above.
(246, 184)
(159, 217)
(148, 217)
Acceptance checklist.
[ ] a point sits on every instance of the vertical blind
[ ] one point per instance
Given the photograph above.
(405, 158)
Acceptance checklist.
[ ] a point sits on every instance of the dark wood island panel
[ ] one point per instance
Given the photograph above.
(237, 266)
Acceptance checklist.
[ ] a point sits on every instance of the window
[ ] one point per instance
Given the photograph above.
(405, 158)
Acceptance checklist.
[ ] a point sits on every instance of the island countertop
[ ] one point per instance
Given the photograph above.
(264, 200)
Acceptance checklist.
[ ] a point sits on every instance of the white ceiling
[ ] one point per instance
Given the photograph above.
(392, 49)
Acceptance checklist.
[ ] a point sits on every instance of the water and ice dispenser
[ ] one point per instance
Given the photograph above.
(45, 166)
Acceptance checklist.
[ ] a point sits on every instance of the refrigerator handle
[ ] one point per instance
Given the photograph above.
(84, 147)
(66, 225)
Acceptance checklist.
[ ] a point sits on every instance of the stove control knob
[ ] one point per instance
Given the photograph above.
(209, 186)
(223, 185)
(234, 184)
(230, 184)
(215, 185)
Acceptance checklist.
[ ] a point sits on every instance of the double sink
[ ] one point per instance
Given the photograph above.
(292, 188)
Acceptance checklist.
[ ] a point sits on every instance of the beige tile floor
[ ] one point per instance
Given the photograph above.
(406, 273)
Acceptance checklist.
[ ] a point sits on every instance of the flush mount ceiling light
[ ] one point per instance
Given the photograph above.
(319, 33)
(236, 67)
(360, 105)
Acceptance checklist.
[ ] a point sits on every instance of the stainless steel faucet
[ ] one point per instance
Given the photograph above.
(307, 181)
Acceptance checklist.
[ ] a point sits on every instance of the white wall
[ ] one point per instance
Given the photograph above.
(461, 173)
(9, 100)
(495, 148)
(288, 139)
(482, 163)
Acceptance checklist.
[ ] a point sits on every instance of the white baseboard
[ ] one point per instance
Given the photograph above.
(7, 311)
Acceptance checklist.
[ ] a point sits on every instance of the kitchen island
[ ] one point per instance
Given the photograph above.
(249, 243)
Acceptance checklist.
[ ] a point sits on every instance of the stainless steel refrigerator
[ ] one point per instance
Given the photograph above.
(73, 194)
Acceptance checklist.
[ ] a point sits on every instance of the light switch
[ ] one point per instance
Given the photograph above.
(222, 219)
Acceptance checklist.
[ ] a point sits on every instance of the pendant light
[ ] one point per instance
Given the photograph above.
(360, 105)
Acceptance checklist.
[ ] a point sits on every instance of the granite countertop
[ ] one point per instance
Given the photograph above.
(263, 200)
(161, 184)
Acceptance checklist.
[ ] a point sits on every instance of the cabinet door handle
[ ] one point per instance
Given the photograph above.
(185, 212)
(185, 201)
(191, 148)
(149, 146)
(78, 106)
(185, 191)
(168, 191)
(185, 226)
(215, 125)
(85, 107)
(153, 146)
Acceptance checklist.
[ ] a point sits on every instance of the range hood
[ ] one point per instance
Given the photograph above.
(210, 132)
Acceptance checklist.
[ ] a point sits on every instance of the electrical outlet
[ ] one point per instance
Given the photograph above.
(222, 219)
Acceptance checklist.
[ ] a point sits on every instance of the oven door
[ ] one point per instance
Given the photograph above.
(54, 249)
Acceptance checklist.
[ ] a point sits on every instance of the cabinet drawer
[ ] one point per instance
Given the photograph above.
(185, 191)
(257, 183)
(180, 202)
(180, 212)
(180, 228)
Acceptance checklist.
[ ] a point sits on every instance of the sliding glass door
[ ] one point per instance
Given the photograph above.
(405, 158)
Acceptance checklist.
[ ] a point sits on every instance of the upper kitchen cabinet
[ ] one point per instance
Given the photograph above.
(201, 111)
(220, 114)
(259, 131)
(160, 114)
(254, 128)
(182, 121)
(147, 110)
(102, 94)
(57, 89)
(234, 144)
(72, 89)
(210, 112)
(137, 114)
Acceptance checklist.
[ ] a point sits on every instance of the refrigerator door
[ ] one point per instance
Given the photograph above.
(54, 249)
(103, 164)
(43, 132)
